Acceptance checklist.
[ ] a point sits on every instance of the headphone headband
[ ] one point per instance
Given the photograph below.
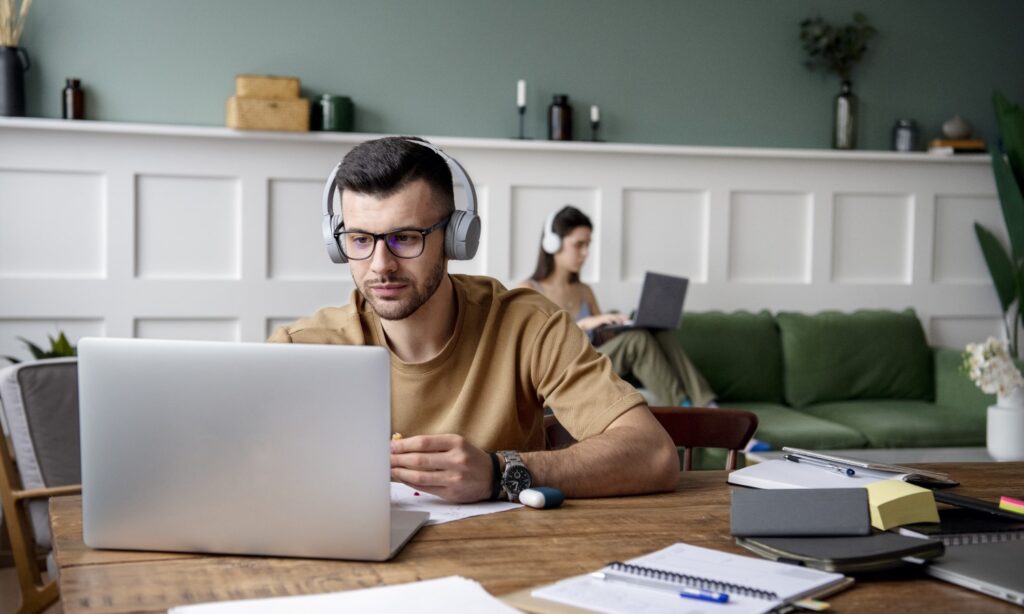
(462, 235)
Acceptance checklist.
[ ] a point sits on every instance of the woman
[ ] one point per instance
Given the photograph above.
(657, 360)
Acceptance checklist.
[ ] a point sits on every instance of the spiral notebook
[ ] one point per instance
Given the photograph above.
(652, 583)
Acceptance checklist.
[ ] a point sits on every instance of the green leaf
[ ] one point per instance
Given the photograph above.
(37, 352)
(1011, 129)
(11, 359)
(1012, 201)
(63, 347)
(999, 266)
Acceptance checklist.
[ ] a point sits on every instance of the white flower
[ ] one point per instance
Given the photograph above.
(989, 366)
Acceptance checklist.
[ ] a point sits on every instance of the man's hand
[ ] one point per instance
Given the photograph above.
(444, 465)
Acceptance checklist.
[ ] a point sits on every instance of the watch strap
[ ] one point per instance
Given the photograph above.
(496, 477)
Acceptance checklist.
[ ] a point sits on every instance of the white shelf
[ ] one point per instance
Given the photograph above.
(216, 132)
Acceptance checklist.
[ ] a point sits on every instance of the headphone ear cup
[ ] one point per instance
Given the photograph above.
(330, 241)
(462, 236)
(551, 242)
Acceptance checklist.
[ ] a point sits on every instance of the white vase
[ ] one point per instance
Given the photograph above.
(1005, 436)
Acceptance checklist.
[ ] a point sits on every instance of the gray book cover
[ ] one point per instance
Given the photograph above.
(800, 512)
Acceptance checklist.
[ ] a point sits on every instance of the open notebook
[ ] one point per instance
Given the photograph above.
(753, 585)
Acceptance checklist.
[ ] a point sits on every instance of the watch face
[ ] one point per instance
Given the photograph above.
(517, 480)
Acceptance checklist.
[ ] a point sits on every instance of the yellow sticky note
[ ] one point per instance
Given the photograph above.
(895, 503)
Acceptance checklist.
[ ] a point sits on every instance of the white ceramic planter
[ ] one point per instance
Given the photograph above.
(1005, 428)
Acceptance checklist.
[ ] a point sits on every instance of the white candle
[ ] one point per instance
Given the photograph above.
(521, 93)
(595, 114)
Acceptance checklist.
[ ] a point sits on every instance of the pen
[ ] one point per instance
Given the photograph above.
(661, 584)
(847, 471)
(694, 593)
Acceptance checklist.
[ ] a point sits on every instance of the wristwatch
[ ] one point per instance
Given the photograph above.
(516, 478)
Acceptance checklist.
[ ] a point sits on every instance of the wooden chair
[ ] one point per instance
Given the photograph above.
(40, 459)
(689, 427)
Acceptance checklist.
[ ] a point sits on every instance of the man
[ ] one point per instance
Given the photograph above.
(474, 364)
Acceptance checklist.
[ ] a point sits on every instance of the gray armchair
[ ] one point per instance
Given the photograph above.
(39, 458)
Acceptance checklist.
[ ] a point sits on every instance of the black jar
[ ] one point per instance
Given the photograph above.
(560, 119)
(904, 135)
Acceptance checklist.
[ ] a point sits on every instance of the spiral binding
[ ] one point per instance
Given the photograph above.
(688, 581)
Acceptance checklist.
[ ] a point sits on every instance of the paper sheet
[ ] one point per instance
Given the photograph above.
(443, 595)
(441, 511)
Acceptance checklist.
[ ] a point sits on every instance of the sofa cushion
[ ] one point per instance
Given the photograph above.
(834, 356)
(738, 353)
(779, 426)
(907, 424)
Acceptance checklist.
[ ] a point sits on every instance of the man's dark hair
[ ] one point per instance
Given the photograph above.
(384, 166)
(567, 219)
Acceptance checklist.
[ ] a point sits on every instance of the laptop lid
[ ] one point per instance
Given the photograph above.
(993, 569)
(243, 448)
(661, 301)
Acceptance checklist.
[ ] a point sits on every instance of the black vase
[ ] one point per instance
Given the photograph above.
(13, 64)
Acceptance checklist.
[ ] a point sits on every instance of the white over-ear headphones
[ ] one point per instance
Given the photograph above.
(461, 236)
(550, 242)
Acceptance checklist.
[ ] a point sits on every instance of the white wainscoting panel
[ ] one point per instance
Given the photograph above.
(52, 224)
(187, 328)
(958, 258)
(296, 247)
(531, 207)
(770, 238)
(954, 331)
(665, 226)
(187, 227)
(873, 239)
(210, 233)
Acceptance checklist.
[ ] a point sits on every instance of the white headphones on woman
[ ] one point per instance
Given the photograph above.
(461, 236)
(550, 242)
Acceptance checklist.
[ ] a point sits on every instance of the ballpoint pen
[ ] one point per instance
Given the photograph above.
(653, 582)
(847, 471)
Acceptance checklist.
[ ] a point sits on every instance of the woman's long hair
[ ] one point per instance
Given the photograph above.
(566, 220)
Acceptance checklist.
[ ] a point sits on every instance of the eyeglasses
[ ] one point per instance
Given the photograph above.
(403, 243)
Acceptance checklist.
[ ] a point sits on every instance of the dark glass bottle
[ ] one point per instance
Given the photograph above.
(844, 130)
(560, 119)
(74, 100)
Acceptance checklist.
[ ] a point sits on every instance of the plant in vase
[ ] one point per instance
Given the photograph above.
(13, 59)
(992, 370)
(838, 49)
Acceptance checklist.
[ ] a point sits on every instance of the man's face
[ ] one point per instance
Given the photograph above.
(396, 287)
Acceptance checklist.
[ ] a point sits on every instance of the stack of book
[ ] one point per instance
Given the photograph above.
(956, 146)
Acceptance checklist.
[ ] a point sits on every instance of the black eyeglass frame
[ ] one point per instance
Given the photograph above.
(383, 236)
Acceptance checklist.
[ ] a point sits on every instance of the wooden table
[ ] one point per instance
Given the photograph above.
(505, 552)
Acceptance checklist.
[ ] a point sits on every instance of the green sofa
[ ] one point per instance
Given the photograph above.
(835, 380)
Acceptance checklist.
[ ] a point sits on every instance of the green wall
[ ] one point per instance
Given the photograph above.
(694, 72)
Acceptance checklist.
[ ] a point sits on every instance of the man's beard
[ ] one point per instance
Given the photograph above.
(401, 309)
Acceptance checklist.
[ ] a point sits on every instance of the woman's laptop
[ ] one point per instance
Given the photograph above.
(242, 448)
(661, 304)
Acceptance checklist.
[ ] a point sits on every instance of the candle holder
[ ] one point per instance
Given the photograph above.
(594, 127)
(522, 122)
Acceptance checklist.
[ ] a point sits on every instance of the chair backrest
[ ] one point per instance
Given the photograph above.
(689, 427)
(701, 427)
(40, 404)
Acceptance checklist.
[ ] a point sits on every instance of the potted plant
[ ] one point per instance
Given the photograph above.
(59, 348)
(1007, 266)
(838, 49)
(992, 370)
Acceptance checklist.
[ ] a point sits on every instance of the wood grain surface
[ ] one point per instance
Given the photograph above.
(505, 552)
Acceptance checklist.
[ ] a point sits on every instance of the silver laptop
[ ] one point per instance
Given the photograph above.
(993, 569)
(661, 304)
(241, 448)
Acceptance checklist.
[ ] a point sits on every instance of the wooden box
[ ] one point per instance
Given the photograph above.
(268, 114)
(266, 86)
